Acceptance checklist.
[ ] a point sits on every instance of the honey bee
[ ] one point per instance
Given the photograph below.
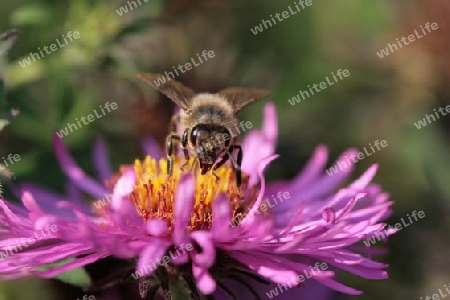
(206, 122)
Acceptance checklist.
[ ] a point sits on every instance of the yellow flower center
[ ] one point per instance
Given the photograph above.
(154, 192)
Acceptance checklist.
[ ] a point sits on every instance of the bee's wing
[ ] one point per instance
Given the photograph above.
(174, 90)
(241, 97)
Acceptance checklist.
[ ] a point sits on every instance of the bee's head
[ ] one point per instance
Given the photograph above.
(210, 141)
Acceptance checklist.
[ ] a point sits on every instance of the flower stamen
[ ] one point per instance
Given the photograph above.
(154, 192)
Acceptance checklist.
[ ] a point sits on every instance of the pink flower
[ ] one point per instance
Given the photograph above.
(198, 229)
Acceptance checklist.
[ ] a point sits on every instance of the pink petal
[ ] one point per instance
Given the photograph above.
(258, 145)
(75, 173)
(208, 253)
(262, 165)
(314, 167)
(221, 218)
(157, 227)
(339, 286)
(184, 201)
(101, 160)
(79, 262)
(205, 283)
(270, 123)
(150, 258)
(151, 148)
(274, 271)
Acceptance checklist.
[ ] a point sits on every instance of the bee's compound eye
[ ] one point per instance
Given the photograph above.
(194, 134)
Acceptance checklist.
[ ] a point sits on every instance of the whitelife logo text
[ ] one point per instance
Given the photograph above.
(391, 48)
(90, 118)
(164, 261)
(26, 242)
(343, 164)
(397, 227)
(124, 10)
(284, 15)
(296, 281)
(86, 297)
(27, 61)
(423, 122)
(315, 87)
(262, 208)
(439, 296)
(169, 74)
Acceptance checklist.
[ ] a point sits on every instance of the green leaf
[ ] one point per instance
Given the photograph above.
(179, 290)
(77, 277)
(33, 14)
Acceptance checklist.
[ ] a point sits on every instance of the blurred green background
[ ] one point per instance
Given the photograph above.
(380, 100)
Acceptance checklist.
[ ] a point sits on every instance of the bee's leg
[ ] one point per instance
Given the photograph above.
(192, 165)
(223, 159)
(237, 164)
(169, 149)
(184, 142)
(173, 122)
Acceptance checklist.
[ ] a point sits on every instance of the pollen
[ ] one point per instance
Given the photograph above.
(154, 193)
